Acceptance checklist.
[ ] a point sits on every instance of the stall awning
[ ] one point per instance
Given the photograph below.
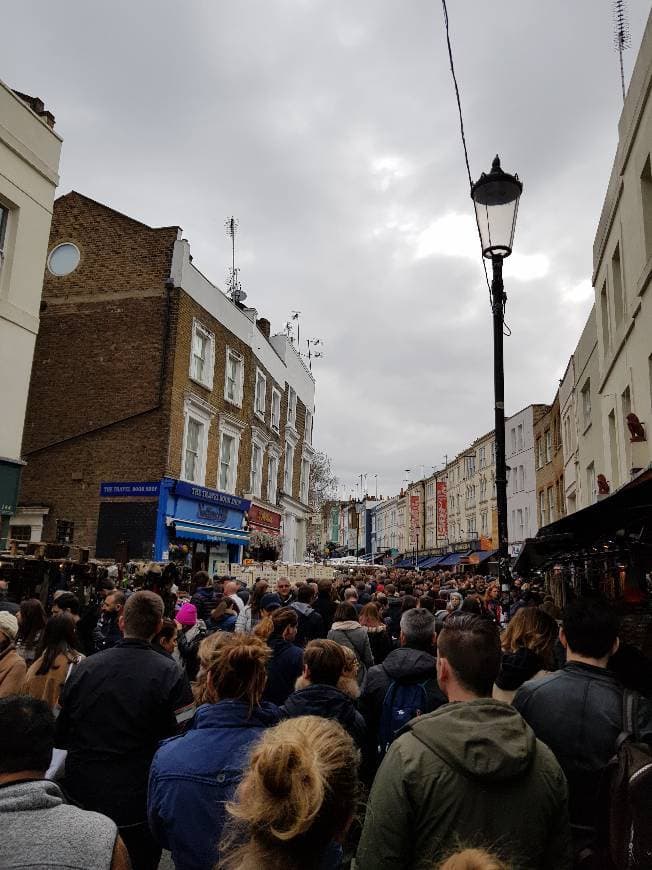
(431, 561)
(451, 559)
(478, 556)
(210, 534)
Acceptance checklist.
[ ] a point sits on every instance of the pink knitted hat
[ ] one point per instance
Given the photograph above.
(187, 614)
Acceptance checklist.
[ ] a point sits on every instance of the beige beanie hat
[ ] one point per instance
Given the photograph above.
(8, 624)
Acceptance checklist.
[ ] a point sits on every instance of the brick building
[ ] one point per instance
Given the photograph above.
(146, 373)
(549, 461)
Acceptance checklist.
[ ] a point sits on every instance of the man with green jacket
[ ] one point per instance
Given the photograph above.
(471, 773)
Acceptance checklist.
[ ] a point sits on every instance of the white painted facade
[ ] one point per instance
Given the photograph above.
(622, 275)
(589, 457)
(521, 479)
(29, 165)
(471, 491)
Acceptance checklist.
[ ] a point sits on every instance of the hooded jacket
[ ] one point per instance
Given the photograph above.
(283, 669)
(470, 773)
(194, 775)
(329, 703)
(41, 830)
(350, 633)
(311, 624)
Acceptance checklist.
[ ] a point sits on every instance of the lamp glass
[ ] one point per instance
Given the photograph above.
(495, 197)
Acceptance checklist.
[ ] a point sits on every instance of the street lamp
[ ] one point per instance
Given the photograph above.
(495, 197)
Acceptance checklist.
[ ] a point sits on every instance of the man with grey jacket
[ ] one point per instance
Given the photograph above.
(464, 774)
(39, 827)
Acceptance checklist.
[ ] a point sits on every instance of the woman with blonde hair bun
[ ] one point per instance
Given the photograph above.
(194, 775)
(473, 859)
(296, 801)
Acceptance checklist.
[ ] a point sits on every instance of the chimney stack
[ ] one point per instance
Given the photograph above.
(264, 325)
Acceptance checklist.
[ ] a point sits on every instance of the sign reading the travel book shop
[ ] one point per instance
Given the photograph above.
(200, 493)
(123, 489)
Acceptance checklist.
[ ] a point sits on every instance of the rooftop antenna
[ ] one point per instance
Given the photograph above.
(311, 355)
(622, 36)
(236, 292)
(295, 316)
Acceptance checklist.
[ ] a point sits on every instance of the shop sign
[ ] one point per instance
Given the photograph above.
(200, 493)
(442, 510)
(261, 517)
(9, 483)
(122, 489)
(214, 512)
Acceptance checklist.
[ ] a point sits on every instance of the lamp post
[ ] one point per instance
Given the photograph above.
(495, 197)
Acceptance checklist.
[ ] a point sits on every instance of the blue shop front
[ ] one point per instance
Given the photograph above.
(202, 521)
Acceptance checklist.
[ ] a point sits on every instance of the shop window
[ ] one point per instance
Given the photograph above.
(276, 410)
(22, 534)
(234, 377)
(65, 531)
(202, 355)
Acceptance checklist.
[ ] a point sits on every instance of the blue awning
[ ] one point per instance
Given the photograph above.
(209, 534)
(452, 559)
(431, 561)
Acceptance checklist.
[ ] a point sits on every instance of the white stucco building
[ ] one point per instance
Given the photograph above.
(622, 274)
(521, 476)
(29, 165)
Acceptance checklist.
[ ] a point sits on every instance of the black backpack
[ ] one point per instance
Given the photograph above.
(629, 779)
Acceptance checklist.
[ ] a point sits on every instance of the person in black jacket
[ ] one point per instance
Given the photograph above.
(116, 707)
(311, 623)
(578, 711)
(324, 604)
(316, 693)
(286, 663)
(413, 662)
(107, 631)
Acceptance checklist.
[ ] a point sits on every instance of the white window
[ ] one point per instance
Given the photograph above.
(590, 482)
(195, 440)
(272, 477)
(519, 436)
(483, 522)
(276, 409)
(586, 402)
(234, 377)
(521, 478)
(229, 449)
(307, 433)
(202, 355)
(256, 480)
(548, 435)
(292, 407)
(513, 435)
(481, 457)
(551, 505)
(542, 508)
(519, 523)
(261, 390)
(305, 479)
(289, 468)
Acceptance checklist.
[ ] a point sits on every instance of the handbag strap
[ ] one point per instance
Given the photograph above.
(629, 718)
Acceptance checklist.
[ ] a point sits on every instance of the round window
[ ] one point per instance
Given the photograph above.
(64, 259)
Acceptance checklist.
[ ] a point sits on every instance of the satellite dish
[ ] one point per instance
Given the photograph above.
(239, 295)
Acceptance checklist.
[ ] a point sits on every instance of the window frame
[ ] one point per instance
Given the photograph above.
(273, 457)
(260, 376)
(304, 481)
(275, 419)
(288, 468)
(199, 328)
(307, 427)
(232, 354)
(292, 406)
(194, 411)
(256, 468)
(232, 432)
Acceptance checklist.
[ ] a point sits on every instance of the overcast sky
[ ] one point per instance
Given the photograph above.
(329, 128)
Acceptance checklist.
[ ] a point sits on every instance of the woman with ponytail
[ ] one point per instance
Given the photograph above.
(193, 775)
(285, 666)
(296, 801)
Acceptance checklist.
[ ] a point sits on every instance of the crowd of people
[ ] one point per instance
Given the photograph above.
(384, 719)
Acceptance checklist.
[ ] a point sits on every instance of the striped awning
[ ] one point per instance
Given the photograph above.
(211, 534)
